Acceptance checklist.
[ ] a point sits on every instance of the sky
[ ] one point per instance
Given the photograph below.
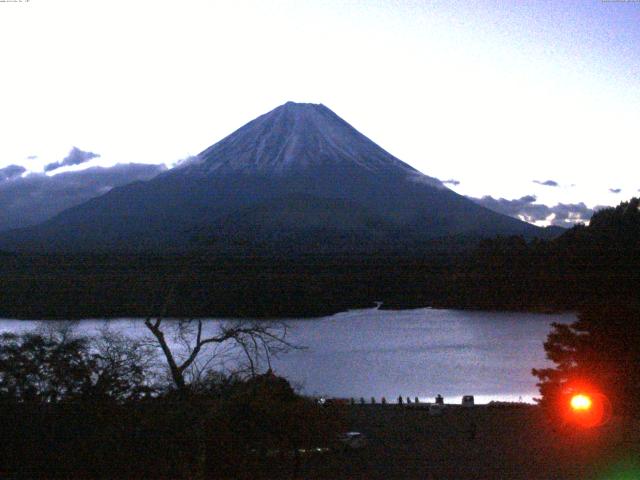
(523, 105)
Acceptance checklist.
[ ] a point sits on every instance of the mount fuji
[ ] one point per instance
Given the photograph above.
(296, 178)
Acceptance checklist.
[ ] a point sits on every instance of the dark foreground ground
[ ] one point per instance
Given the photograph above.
(509, 443)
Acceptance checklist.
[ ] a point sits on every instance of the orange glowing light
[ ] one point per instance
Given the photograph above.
(581, 402)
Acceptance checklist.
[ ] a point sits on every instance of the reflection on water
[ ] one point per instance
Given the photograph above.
(423, 352)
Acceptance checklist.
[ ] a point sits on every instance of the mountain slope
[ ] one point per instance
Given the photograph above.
(296, 174)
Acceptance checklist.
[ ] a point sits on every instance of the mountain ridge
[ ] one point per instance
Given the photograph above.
(292, 150)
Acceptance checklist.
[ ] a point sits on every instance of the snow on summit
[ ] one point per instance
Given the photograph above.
(298, 136)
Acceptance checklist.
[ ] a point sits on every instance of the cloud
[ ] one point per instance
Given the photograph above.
(36, 197)
(75, 157)
(615, 190)
(525, 208)
(187, 161)
(451, 182)
(547, 183)
(11, 171)
(568, 214)
(426, 180)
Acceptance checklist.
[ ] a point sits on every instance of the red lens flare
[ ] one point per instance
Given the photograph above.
(587, 409)
(581, 402)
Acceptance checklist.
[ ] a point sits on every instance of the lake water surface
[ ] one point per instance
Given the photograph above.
(423, 352)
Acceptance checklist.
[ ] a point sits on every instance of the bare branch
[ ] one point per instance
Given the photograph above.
(254, 339)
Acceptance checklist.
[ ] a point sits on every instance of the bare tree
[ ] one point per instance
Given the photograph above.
(190, 350)
(127, 357)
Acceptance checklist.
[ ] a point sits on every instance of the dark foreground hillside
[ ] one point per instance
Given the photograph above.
(509, 443)
(402, 443)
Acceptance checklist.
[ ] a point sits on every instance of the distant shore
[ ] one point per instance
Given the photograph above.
(199, 286)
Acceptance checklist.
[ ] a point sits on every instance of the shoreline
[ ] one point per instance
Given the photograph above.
(310, 316)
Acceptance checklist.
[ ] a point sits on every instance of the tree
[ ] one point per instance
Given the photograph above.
(191, 349)
(127, 365)
(56, 367)
(602, 350)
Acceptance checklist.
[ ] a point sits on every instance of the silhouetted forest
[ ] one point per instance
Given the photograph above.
(210, 285)
(585, 264)
(599, 263)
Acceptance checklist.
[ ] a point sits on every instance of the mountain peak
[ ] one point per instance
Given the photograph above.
(301, 105)
(295, 137)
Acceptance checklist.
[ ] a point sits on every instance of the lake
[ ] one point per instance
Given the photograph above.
(422, 352)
